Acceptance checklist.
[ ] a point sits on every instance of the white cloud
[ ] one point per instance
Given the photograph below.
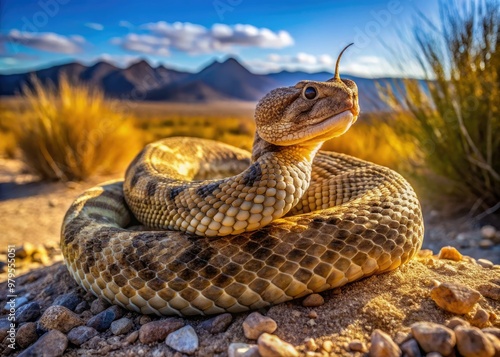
(95, 26)
(45, 41)
(124, 23)
(118, 60)
(301, 58)
(197, 39)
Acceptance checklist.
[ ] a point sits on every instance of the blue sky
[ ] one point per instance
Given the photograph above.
(267, 36)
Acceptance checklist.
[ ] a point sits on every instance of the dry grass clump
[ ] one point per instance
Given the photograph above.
(454, 117)
(71, 131)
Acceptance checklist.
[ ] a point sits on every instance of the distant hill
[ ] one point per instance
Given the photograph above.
(227, 80)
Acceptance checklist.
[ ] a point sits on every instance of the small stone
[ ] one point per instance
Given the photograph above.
(312, 314)
(495, 331)
(311, 322)
(383, 346)
(296, 313)
(455, 298)
(488, 232)
(490, 291)
(450, 253)
(25, 251)
(273, 346)
(327, 346)
(495, 341)
(255, 324)
(243, 350)
(51, 344)
(217, 324)
(81, 307)
(433, 337)
(81, 334)
(59, 318)
(485, 263)
(486, 243)
(357, 346)
(434, 354)
(401, 337)
(121, 326)
(425, 253)
(183, 340)
(481, 318)
(102, 321)
(311, 344)
(144, 319)
(132, 337)
(456, 321)
(18, 302)
(98, 305)
(40, 256)
(410, 348)
(69, 300)
(28, 312)
(158, 330)
(472, 342)
(313, 300)
(26, 334)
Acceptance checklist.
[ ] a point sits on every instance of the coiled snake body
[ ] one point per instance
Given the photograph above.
(244, 232)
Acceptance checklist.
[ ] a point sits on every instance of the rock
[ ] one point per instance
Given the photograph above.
(327, 346)
(18, 302)
(486, 244)
(81, 334)
(102, 321)
(472, 342)
(273, 346)
(456, 321)
(383, 346)
(59, 318)
(51, 344)
(357, 346)
(144, 319)
(28, 312)
(132, 337)
(255, 324)
(312, 314)
(488, 232)
(121, 326)
(26, 334)
(493, 331)
(313, 300)
(159, 330)
(183, 340)
(81, 307)
(40, 256)
(4, 329)
(69, 300)
(433, 337)
(98, 305)
(495, 341)
(243, 350)
(25, 251)
(485, 263)
(425, 253)
(217, 324)
(450, 253)
(455, 298)
(490, 291)
(310, 344)
(481, 318)
(410, 348)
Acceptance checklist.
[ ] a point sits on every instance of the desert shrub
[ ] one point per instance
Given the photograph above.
(71, 131)
(453, 117)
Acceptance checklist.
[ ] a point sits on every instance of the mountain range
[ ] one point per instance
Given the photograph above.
(219, 81)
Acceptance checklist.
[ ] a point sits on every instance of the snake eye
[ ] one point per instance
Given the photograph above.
(310, 93)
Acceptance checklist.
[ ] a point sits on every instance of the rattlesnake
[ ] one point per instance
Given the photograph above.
(291, 220)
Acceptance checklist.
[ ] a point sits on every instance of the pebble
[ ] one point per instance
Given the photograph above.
(485, 263)
(243, 350)
(98, 305)
(357, 346)
(40, 256)
(121, 326)
(144, 319)
(383, 346)
(158, 330)
(59, 318)
(450, 253)
(488, 232)
(313, 300)
(490, 291)
(472, 342)
(486, 243)
(433, 337)
(69, 300)
(25, 251)
(81, 334)
(26, 334)
(183, 340)
(425, 253)
(481, 318)
(132, 337)
(310, 344)
(20, 301)
(312, 315)
(401, 337)
(217, 324)
(410, 348)
(456, 321)
(455, 298)
(495, 331)
(327, 346)
(28, 312)
(495, 342)
(51, 344)
(102, 321)
(273, 346)
(255, 324)
(81, 307)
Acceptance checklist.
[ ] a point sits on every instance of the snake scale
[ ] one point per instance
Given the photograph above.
(199, 227)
